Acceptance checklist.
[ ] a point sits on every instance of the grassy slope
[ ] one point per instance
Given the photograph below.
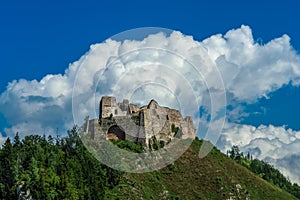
(214, 177)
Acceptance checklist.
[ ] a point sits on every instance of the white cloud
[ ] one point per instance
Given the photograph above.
(150, 67)
(276, 145)
(249, 71)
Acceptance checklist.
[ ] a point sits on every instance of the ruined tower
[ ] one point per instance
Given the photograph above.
(108, 106)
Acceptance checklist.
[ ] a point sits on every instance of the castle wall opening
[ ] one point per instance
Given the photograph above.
(116, 132)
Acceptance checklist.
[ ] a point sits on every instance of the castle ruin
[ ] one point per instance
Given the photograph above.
(142, 125)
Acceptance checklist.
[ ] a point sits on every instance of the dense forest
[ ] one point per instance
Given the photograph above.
(264, 170)
(40, 167)
(51, 168)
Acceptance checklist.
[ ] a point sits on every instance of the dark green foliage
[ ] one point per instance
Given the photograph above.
(265, 171)
(128, 145)
(155, 144)
(235, 153)
(45, 169)
(7, 172)
(176, 130)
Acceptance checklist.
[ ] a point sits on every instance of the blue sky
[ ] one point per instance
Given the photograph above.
(281, 108)
(40, 39)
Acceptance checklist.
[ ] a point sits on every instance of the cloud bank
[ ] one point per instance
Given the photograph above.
(249, 71)
(276, 145)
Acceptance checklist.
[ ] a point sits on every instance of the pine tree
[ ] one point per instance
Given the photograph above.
(6, 172)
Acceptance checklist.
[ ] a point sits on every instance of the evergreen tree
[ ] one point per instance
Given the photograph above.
(7, 163)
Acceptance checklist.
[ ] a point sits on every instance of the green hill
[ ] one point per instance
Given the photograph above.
(54, 168)
(213, 177)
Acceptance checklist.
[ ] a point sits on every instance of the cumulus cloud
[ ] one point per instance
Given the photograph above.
(177, 71)
(290, 166)
(251, 70)
(277, 145)
(33, 107)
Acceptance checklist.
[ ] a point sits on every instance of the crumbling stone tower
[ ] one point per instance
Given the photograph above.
(109, 107)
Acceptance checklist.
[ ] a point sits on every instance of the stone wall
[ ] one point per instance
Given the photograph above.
(174, 116)
(188, 128)
(133, 108)
(92, 127)
(156, 123)
(123, 108)
(108, 106)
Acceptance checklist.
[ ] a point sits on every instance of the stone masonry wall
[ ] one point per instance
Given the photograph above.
(188, 128)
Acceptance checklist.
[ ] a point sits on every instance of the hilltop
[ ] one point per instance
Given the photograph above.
(214, 177)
